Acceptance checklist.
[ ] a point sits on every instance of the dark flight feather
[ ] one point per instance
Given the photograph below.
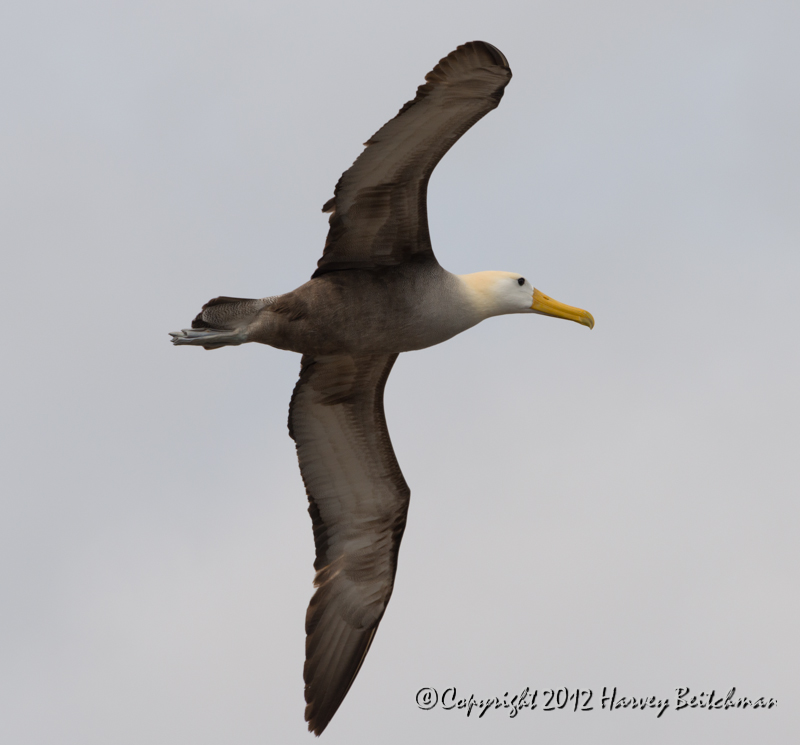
(378, 211)
(358, 501)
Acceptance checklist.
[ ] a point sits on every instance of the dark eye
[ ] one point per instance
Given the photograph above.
(521, 281)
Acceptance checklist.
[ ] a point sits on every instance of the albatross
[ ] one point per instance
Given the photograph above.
(378, 290)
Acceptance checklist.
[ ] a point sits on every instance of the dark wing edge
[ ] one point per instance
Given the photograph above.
(358, 502)
(379, 214)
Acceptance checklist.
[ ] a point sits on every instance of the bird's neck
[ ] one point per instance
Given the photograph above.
(480, 292)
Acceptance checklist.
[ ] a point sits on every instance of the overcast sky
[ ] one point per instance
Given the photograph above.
(615, 507)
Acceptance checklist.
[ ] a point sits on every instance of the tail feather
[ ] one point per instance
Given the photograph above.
(223, 322)
(228, 313)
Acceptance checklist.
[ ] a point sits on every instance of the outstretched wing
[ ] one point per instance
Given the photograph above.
(358, 500)
(379, 212)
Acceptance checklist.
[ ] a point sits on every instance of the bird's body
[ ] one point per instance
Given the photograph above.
(390, 310)
(378, 291)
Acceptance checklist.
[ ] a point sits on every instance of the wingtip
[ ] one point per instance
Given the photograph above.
(317, 720)
(498, 58)
(315, 729)
(486, 52)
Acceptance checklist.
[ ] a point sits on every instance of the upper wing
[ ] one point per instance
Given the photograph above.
(358, 504)
(379, 214)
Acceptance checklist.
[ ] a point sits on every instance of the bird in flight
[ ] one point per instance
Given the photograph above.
(378, 290)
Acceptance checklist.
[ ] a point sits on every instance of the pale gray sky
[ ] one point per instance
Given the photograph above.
(589, 508)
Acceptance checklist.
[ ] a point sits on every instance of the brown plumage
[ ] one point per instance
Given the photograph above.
(379, 216)
(358, 501)
(377, 291)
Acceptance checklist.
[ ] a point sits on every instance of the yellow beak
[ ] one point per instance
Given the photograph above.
(549, 307)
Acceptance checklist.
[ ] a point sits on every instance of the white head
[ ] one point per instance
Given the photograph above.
(499, 293)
